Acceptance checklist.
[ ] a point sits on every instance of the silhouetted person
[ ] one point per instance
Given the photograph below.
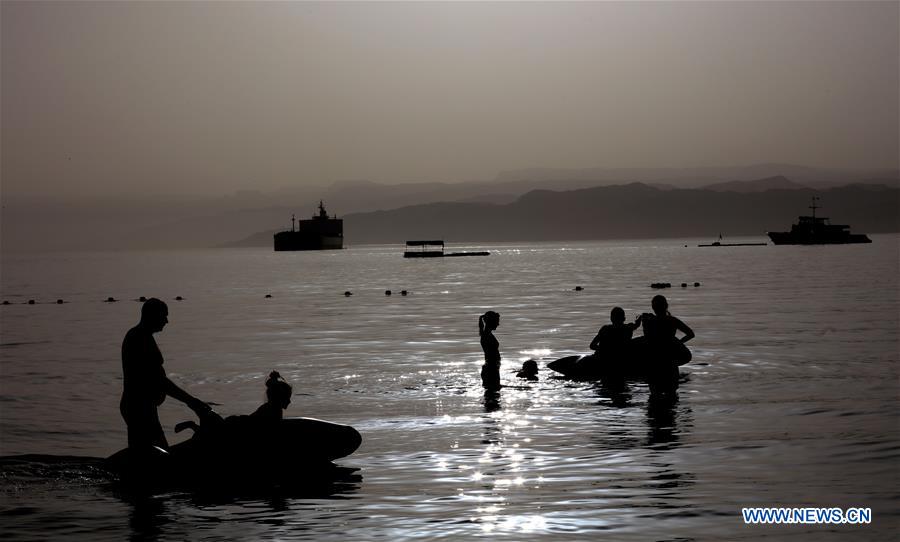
(145, 382)
(529, 370)
(278, 397)
(612, 339)
(490, 371)
(666, 352)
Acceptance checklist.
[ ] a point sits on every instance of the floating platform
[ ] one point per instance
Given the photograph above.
(428, 249)
(718, 244)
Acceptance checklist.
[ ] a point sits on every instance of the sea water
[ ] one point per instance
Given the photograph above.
(791, 398)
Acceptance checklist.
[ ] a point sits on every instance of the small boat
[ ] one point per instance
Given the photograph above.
(719, 243)
(813, 230)
(429, 249)
(240, 451)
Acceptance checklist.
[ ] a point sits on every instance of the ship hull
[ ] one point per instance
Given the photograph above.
(289, 241)
(790, 238)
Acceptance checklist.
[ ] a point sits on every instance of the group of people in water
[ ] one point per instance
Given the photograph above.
(146, 384)
(659, 352)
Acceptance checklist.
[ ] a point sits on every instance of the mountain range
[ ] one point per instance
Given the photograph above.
(516, 205)
(635, 210)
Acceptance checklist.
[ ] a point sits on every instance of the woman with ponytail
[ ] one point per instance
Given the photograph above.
(490, 371)
(278, 397)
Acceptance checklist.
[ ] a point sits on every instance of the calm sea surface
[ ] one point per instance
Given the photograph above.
(791, 399)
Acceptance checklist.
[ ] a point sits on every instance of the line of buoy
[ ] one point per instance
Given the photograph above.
(669, 285)
(347, 293)
(109, 299)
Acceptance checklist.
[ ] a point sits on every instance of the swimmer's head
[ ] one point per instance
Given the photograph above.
(278, 391)
(154, 314)
(529, 369)
(617, 315)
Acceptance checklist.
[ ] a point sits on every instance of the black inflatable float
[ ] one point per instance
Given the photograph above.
(635, 363)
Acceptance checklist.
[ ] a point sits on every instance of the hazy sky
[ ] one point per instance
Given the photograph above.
(203, 97)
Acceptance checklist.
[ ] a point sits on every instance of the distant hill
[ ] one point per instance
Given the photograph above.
(167, 221)
(635, 210)
(778, 182)
(702, 176)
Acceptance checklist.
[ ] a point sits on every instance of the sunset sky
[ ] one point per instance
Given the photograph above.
(126, 98)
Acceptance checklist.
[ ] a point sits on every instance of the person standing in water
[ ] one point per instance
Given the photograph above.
(145, 382)
(666, 351)
(490, 371)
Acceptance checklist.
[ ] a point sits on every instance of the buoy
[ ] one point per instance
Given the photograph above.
(696, 284)
(110, 299)
(31, 301)
(684, 284)
(179, 298)
(59, 301)
(268, 296)
(348, 293)
(578, 288)
(6, 302)
(403, 292)
(387, 292)
(142, 299)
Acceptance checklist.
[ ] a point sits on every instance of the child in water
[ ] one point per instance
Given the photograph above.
(529, 370)
(278, 397)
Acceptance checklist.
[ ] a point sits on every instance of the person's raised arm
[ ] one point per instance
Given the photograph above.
(682, 327)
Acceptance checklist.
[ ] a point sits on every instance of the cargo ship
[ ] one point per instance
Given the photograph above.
(320, 232)
(816, 230)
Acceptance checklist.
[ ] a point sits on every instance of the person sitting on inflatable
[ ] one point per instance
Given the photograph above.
(612, 339)
(278, 397)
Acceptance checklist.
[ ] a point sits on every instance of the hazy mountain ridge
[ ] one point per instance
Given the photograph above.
(778, 182)
(635, 210)
(702, 176)
(172, 222)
